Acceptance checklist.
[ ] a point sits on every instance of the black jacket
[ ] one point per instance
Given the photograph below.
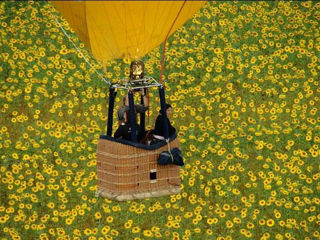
(158, 129)
(124, 132)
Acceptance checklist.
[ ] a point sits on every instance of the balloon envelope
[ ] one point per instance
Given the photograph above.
(125, 29)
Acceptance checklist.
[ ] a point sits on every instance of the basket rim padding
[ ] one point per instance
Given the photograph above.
(139, 145)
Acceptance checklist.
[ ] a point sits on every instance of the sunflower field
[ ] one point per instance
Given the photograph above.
(243, 80)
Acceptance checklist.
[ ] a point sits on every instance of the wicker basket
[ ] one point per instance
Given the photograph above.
(128, 172)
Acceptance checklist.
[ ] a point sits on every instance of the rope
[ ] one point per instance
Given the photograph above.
(137, 175)
(148, 113)
(165, 41)
(169, 150)
(82, 55)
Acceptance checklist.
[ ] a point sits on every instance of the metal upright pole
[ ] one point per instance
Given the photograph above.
(112, 94)
(164, 112)
(132, 117)
(142, 117)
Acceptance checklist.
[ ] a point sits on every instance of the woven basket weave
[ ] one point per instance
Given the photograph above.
(126, 172)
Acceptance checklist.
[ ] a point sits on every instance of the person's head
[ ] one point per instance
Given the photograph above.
(168, 108)
(136, 70)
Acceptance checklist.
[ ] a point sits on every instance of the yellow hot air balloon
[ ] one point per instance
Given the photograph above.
(125, 29)
(130, 29)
